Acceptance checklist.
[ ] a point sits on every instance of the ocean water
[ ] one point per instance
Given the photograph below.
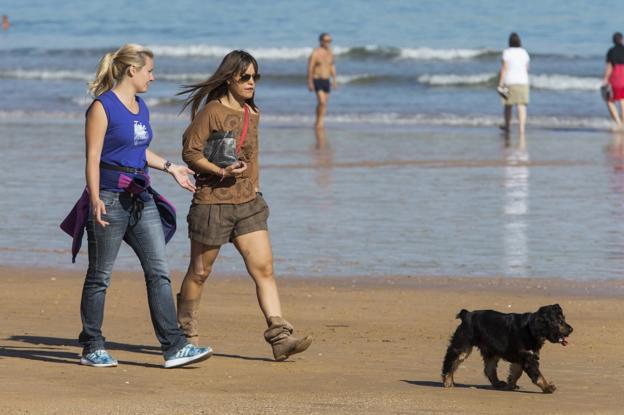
(415, 178)
(375, 201)
(421, 62)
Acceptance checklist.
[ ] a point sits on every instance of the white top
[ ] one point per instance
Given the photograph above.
(517, 60)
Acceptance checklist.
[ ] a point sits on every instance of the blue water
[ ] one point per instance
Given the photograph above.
(424, 62)
(415, 180)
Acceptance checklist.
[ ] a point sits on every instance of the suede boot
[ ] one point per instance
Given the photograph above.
(284, 344)
(188, 312)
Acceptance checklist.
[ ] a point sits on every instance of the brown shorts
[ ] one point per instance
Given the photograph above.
(215, 225)
(518, 95)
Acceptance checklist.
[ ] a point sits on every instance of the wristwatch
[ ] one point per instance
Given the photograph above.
(167, 165)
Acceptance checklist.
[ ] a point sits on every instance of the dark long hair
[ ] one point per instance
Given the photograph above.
(514, 40)
(215, 87)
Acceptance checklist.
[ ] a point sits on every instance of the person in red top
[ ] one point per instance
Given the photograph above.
(5, 22)
(614, 77)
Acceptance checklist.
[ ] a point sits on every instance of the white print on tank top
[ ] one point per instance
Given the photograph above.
(140, 133)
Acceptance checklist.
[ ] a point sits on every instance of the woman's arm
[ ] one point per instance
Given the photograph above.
(193, 143)
(203, 165)
(180, 173)
(95, 130)
(502, 73)
(607, 73)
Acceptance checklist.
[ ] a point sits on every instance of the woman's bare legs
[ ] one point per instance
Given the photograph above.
(522, 117)
(202, 259)
(189, 298)
(255, 248)
(256, 251)
(614, 113)
(506, 117)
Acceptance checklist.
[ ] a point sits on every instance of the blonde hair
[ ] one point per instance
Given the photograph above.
(114, 65)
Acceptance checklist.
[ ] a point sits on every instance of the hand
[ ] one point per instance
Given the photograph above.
(310, 86)
(181, 175)
(235, 170)
(335, 85)
(97, 210)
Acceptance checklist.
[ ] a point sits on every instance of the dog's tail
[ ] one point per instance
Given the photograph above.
(462, 314)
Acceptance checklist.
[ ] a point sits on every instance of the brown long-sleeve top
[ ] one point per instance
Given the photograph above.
(216, 117)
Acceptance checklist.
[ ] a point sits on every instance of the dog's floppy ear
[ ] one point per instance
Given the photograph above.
(537, 323)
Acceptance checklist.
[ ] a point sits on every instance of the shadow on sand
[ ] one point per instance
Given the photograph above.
(432, 384)
(53, 350)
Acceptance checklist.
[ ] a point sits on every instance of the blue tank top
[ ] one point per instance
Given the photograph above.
(127, 135)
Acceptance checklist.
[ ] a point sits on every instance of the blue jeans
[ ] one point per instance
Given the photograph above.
(145, 236)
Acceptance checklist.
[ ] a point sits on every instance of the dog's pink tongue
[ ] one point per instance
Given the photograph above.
(563, 341)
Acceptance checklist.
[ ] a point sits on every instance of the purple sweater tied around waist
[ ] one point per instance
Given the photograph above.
(137, 185)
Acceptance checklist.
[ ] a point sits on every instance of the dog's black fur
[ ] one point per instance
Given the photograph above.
(516, 338)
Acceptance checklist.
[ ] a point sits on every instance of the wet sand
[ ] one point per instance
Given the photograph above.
(378, 348)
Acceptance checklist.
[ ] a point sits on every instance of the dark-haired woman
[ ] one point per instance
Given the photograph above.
(227, 206)
(514, 76)
(614, 76)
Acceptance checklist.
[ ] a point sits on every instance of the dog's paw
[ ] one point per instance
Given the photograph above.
(447, 381)
(549, 388)
(500, 385)
(512, 387)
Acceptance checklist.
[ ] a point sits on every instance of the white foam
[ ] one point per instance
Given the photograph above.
(55, 75)
(345, 79)
(441, 54)
(559, 82)
(182, 77)
(554, 82)
(215, 51)
(221, 51)
(45, 75)
(452, 79)
(396, 119)
(452, 120)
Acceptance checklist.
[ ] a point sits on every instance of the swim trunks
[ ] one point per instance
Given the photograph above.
(321, 84)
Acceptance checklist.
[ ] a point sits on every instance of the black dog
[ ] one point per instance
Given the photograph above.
(516, 338)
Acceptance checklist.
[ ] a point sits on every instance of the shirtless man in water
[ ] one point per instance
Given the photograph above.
(320, 69)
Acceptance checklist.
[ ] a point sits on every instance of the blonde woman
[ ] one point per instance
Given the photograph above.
(227, 206)
(118, 134)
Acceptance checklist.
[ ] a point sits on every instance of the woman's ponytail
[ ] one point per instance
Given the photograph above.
(104, 79)
(114, 65)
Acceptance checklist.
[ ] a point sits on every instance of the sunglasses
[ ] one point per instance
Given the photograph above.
(246, 77)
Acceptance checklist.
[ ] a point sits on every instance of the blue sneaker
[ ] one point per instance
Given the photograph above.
(99, 358)
(187, 355)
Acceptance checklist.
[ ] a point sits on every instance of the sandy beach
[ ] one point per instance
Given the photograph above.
(378, 348)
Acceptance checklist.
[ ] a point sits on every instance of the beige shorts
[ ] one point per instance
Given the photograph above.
(216, 225)
(518, 95)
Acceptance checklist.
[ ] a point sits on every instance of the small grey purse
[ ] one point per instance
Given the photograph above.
(221, 148)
